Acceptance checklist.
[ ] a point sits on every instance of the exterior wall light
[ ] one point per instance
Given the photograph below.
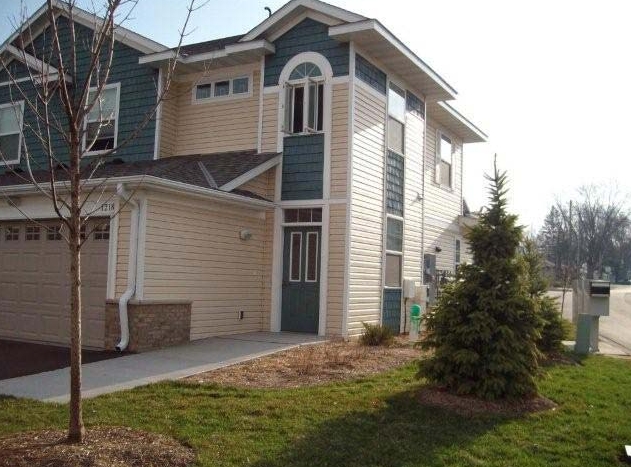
(245, 234)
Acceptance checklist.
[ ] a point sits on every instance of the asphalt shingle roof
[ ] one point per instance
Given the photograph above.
(209, 46)
(202, 170)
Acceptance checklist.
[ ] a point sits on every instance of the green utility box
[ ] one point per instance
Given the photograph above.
(583, 334)
(415, 321)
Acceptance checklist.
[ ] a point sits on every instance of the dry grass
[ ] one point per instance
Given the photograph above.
(312, 365)
(103, 447)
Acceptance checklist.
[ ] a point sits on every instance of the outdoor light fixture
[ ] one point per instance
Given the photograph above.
(245, 234)
(438, 249)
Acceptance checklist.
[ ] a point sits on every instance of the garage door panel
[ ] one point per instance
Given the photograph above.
(34, 288)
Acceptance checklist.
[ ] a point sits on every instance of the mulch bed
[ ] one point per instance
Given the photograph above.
(103, 447)
(312, 365)
(469, 406)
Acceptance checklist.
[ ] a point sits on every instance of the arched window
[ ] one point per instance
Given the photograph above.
(304, 99)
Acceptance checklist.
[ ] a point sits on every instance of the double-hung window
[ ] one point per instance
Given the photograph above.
(395, 180)
(11, 132)
(457, 254)
(304, 100)
(102, 119)
(444, 164)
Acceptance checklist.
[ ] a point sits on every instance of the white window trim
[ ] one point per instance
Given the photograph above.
(317, 240)
(230, 96)
(20, 131)
(116, 86)
(291, 257)
(438, 159)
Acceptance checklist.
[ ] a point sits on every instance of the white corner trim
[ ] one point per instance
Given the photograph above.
(158, 118)
(259, 139)
(250, 174)
(349, 188)
(140, 253)
(313, 5)
(112, 256)
(277, 272)
(324, 271)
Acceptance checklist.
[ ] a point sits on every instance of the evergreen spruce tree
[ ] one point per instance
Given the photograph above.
(484, 328)
(551, 328)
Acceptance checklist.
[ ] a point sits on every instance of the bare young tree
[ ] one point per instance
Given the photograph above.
(60, 95)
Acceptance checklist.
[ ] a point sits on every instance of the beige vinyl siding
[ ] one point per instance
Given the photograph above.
(337, 261)
(366, 248)
(262, 185)
(193, 251)
(339, 140)
(412, 241)
(122, 251)
(442, 205)
(269, 132)
(168, 123)
(224, 124)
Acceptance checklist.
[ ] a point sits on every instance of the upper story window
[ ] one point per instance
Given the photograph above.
(102, 119)
(11, 132)
(304, 100)
(222, 89)
(444, 164)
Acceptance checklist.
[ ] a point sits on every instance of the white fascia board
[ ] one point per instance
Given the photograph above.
(121, 34)
(482, 137)
(51, 73)
(261, 45)
(321, 7)
(374, 25)
(146, 181)
(250, 174)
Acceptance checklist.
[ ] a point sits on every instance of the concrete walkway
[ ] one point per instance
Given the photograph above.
(139, 369)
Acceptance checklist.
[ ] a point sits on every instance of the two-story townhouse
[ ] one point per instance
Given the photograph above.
(298, 175)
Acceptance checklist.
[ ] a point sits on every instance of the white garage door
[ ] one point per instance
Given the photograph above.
(34, 283)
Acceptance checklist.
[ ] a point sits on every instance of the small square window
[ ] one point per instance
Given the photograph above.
(316, 215)
(222, 88)
(240, 85)
(304, 215)
(11, 234)
(54, 232)
(32, 233)
(202, 91)
(102, 232)
(291, 215)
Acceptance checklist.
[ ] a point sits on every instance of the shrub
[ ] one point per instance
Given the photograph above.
(376, 334)
(553, 329)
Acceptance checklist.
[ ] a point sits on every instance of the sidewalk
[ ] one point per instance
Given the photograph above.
(150, 367)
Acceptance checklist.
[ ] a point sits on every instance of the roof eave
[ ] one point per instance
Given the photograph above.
(473, 134)
(438, 88)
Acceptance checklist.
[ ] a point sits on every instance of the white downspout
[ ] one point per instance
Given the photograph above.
(132, 265)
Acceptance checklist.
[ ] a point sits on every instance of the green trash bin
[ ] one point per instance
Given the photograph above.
(415, 322)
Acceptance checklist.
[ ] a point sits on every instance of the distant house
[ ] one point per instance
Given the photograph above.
(295, 176)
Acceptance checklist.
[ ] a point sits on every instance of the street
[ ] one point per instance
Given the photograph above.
(615, 329)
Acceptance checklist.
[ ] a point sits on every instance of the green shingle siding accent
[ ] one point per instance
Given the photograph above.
(17, 69)
(370, 74)
(137, 96)
(395, 166)
(391, 316)
(307, 36)
(303, 163)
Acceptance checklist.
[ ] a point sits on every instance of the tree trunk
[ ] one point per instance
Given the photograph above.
(76, 430)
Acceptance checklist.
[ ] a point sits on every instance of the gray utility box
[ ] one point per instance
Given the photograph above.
(590, 302)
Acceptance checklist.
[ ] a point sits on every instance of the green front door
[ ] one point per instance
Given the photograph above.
(301, 279)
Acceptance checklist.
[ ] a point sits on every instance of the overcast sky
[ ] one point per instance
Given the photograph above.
(549, 81)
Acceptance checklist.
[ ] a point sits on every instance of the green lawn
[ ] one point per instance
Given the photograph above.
(372, 422)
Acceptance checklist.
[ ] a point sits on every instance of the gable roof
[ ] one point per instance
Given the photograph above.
(39, 20)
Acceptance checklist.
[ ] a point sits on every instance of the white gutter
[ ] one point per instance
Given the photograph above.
(132, 266)
(146, 181)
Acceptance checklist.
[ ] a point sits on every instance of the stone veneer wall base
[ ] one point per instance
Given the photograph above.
(153, 324)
